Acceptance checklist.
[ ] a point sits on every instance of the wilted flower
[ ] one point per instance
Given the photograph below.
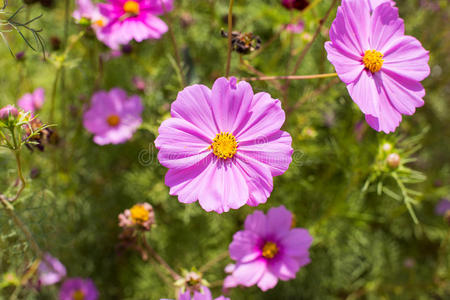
(113, 117)
(32, 102)
(295, 4)
(8, 110)
(442, 207)
(133, 19)
(140, 215)
(78, 288)
(268, 249)
(41, 135)
(223, 146)
(50, 270)
(380, 65)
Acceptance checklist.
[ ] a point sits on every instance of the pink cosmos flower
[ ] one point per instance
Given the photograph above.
(78, 288)
(381, 67)
(133, 19)
(32, 102)
(113, 117)
(8, 110)
(223, 146)
(50, 270)
(442, 207)
(90, 11)
(140, 216)
(268, 250)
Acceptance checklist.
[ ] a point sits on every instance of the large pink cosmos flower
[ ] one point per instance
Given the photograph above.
(113, 117)
(32, 102)
(380, 65)
(90, 11)
(223, 146)
(267, 250)
(133, 19)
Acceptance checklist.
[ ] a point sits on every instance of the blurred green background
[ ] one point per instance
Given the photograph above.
(366, 245)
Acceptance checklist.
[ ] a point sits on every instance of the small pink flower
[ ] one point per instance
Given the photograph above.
(91, 12)
(8, 110)
(113, 117)
(223, 146)
(133, 20)
(31, 102)
(296, 28)
(381, 66)
(50, 270)
(78, 288)
(268, 249)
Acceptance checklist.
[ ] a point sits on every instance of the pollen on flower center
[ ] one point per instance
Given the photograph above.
(131, 7)
(99, 23)
(139, 214)
(270, 249)
(113, 120)
(373, 60)
(78, 295)
(224, 145)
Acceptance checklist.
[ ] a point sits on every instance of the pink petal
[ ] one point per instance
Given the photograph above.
(279, 221)
(249, 274)
(386, 27)
(297, 242)
(267, 281)
(348, 66)
(256, 222)
(284, 267)
(193, 105)
(407, 58)
(365, 93)
(244, 247)
(275, 151)
(231, 104)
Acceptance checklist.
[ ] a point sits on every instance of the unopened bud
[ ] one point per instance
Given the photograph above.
(8, 110)
(393, 160)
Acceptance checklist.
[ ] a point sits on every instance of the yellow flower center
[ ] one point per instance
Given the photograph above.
(99, 23)
(113, 120)
(224, 145)
(131, 7)
(78, 295)
(270, 250)
(139, 214)
(373, 60)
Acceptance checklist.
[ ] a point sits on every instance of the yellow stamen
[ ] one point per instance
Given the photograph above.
(131, 7)
(373, 60)
(270, 250)
(224, 145)
(99, 23)
(78, 295)
(113, 120)
(139, 214)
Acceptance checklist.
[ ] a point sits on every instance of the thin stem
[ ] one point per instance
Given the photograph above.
(20, 174)
(214, 261)
(290, 77)
(175, 46)
(53, 95)
(230, 30)
(160, 260)
(29, 237)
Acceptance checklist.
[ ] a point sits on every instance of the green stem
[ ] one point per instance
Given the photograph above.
(160, 260)
(291, 77)
(20, 174)
(230, 29)
(214, 261)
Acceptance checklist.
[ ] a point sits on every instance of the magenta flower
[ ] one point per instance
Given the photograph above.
(78, 288)
(381, 67)
(50, 270)
(133, 19)
(113, 117)
(32, 102)
(223, 146)
(442, 207)
(8, 110)
(268, 249)
(296, 27)
(86, 10)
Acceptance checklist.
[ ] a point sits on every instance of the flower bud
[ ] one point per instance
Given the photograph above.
(295, 4)
(393, 160)
(387, 147)
(8, 110)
